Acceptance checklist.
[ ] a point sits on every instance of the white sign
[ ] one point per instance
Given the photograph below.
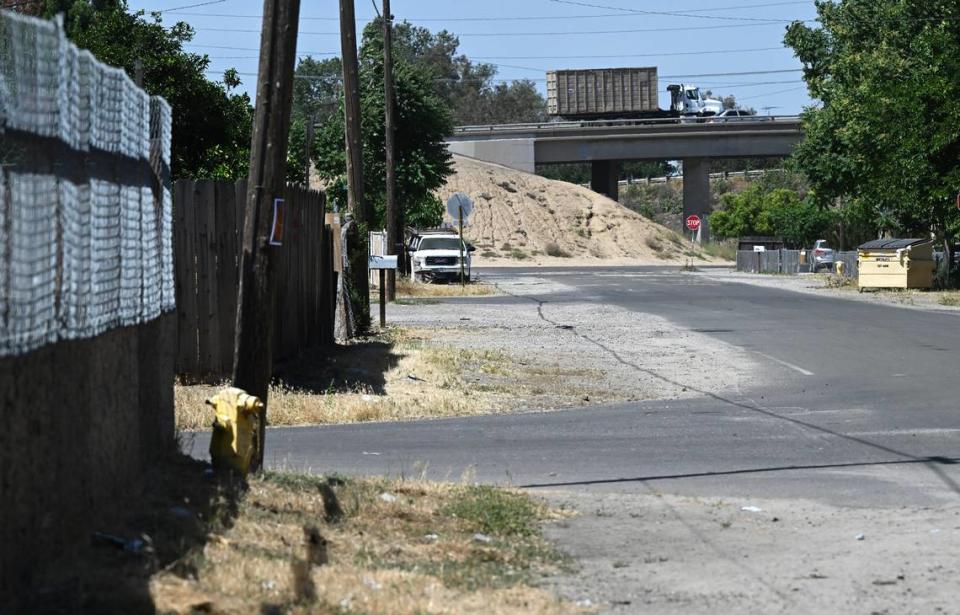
(382, 262)
(759, 249)
(459, 204)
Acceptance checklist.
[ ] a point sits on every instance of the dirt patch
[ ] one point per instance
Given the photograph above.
(308, 544)
(522, 218)
(509, 354)
(617, 354)
(671, 554)
(406, 373)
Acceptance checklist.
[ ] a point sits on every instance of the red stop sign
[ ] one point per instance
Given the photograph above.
(693, 222)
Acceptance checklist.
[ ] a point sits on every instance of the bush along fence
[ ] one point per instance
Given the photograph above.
(86, 294)
(788, 262)
(208, 227)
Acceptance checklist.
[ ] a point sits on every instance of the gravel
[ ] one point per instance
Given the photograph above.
(657, 553)
(636, 355)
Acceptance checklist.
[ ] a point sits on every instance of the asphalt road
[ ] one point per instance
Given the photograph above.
(855, 404)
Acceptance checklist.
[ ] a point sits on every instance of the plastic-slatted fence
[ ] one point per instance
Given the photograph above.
(78, 254)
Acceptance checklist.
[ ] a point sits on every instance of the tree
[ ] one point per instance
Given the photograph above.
(467, 87)
(741, 215)
(316, 89)
(886, 138)
(423, 122)
(211, 126)
(780, 212)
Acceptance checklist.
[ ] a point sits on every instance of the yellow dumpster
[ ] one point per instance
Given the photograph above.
(896, 263)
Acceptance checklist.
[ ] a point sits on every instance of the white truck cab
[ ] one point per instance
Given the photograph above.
(435, 256)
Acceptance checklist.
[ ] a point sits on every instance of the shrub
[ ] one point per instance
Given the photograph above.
(553, 249)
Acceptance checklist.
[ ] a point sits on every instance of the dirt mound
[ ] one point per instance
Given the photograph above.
(521, 217)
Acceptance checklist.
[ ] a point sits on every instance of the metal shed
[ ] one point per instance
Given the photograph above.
(896, 263)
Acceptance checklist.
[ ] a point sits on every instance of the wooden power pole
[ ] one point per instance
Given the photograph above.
(253, 347)
(358, 244)
(394, 235)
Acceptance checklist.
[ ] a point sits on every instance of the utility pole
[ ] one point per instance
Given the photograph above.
(393, 215)
(253, 346)
(356, 203)
(308, 147)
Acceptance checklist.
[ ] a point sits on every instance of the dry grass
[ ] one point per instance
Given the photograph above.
(413, 554)
(949, 299)
(405, 374)
(408, 289)
(725, 250)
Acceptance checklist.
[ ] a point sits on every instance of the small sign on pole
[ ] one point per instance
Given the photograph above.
(276, 231)
(382, 262)
(693, 222)
(377, 261)
(460, 206)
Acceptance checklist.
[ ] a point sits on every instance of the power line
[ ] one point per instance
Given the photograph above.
(567, 57)
(690, 15)
(313, 53)
(630, 55)
(765, 94)
(567, 33)
(449, 80)
(189, 6)
(509, 18)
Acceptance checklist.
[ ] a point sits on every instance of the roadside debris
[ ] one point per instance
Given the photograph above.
(482, 538)
(133, 545)
(388, 497)
(859, 536)
(753, 509)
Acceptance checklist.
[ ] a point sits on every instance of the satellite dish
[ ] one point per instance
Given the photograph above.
(459, 205)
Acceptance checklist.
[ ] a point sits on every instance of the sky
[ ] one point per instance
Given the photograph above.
(697, 41)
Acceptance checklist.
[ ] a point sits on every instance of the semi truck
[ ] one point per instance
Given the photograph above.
(621, 93)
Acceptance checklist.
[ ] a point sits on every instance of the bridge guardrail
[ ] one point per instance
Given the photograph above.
(612, 123)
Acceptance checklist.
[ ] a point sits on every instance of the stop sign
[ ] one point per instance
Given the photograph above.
(693, 222)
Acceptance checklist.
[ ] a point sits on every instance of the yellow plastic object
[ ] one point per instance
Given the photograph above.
(235, 429)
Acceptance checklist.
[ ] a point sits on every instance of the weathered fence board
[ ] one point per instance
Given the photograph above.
(208, 231)
(184, 255)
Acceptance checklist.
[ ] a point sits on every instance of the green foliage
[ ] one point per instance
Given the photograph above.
(316, 89)
(495, 512)
(886, 139)
(466, 88)
(779, 212)
(211, 126)
(423, 122)
(579, 172)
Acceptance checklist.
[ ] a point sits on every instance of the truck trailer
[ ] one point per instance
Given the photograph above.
(621, 93)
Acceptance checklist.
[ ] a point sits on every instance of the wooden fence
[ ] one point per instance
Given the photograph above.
(208, 226)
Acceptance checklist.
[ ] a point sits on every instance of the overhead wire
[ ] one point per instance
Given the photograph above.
(689, 15)
(564, 33)
(504, 18)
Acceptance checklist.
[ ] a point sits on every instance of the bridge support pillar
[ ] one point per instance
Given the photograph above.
(696, 192)
(605, 178)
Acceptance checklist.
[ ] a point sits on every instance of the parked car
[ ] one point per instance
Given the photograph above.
(435, 256)
(821, 256)
(733, 115)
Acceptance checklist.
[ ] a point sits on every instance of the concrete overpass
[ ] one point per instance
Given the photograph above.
(605, 144)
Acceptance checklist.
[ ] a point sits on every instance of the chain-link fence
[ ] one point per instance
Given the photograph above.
(85, 213)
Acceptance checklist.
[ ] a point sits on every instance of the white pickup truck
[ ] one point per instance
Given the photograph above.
(435, 256)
